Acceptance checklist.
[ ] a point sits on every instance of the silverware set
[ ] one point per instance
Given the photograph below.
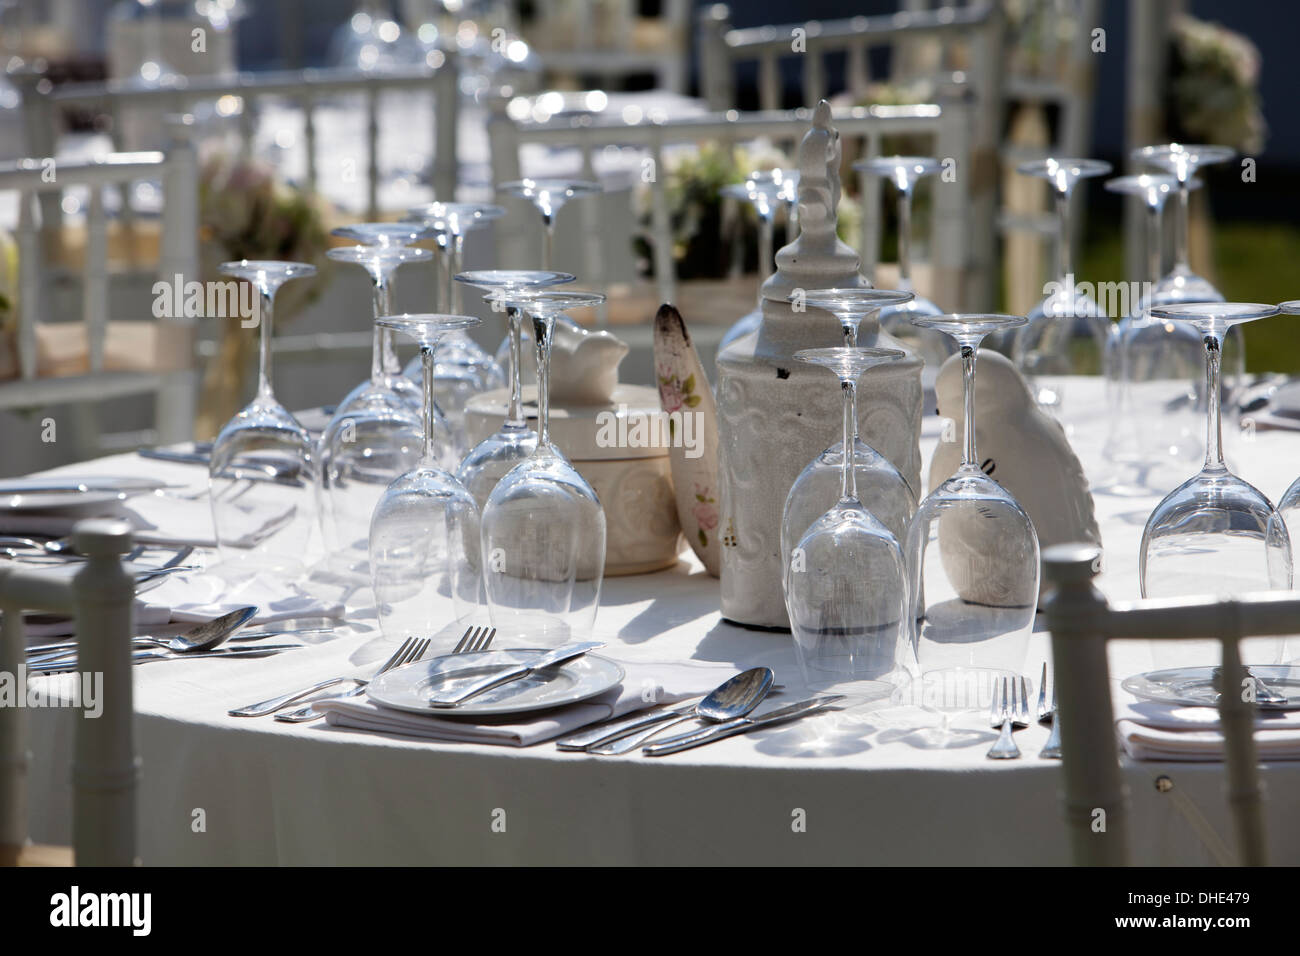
(724, 712)
(203, 640)
(410, 650)
(1009, 712)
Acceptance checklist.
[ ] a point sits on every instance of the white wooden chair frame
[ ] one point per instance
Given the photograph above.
(106, 770)
(178, 255)
(721, 48)
(308, 87)
(955, 233)
(1081, 622)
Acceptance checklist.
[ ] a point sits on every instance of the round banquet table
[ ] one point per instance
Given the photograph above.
(847, 787)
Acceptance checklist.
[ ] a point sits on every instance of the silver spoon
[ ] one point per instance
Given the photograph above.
(731, 699)
(203, 636)
(209, 634)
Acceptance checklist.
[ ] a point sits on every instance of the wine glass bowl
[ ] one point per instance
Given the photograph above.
(543, 531)
(845, 580)
(424, 532)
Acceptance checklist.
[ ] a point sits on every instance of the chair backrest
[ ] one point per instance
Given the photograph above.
(244, 92)
(595, 40)
(980, 25)
(105, 769)
(1081, 622)
(35, 178)
(956, 231)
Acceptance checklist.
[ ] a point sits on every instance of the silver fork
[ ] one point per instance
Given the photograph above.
(1011, 712)
(474, 639)
(262, 708)
(1052, 749)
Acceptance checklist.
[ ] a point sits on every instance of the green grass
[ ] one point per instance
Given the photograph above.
(1254, 263)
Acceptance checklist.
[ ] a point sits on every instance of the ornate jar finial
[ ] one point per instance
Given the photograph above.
(816, 258)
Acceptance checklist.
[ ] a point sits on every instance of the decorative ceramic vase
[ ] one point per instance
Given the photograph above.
(776, 414)
(615, 436)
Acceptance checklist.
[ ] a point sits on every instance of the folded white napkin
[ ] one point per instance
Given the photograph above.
(1154, 731)
(645, 684)
(158, 518)
(200, 596)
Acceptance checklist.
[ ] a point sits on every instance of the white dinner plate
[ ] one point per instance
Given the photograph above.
(409, 687)
(1196, 686)
(60, 493)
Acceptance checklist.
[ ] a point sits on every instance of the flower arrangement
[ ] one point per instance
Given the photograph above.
(245, 212)
(693, 187)
(1214, 86)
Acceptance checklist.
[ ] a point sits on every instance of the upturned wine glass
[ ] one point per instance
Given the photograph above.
(514, 441)
(543, 541)
(1157, 409)
(549, 196)
(1182, 160)
(424, 532)
(845, 577)
(766, 190)
(903, 173)
(880, 485)
(263, 465)
(1288, 508)
(1214, 533)
(384, 247)
(1066, 334)
(972, 560)
(464, 369)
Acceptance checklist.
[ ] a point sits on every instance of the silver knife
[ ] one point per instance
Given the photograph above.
(605, 733)
(138, 655)
(741, 725)
(512, 673)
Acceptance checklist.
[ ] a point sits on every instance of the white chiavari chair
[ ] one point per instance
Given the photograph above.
(243, 94)
(160, 360)
(105, 769)
(955, 232)
(1081, 621)
(978, 26)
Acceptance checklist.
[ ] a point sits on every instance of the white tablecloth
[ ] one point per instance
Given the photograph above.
(850, 787)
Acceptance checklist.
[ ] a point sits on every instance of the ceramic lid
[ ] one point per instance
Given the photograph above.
(630, 425)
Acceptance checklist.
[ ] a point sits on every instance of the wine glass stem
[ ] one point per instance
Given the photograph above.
(905, 239)
(1213, 415)
(427, 350)
(515, 413)
(377, 356)
(456, 299)
(380, 280)
(264, 356)
(1064, 263)
(443, 274)
(1154, 210)
(848, 473)
(1180, 228)
(543, 325)
(968, 395)
(548, 240)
